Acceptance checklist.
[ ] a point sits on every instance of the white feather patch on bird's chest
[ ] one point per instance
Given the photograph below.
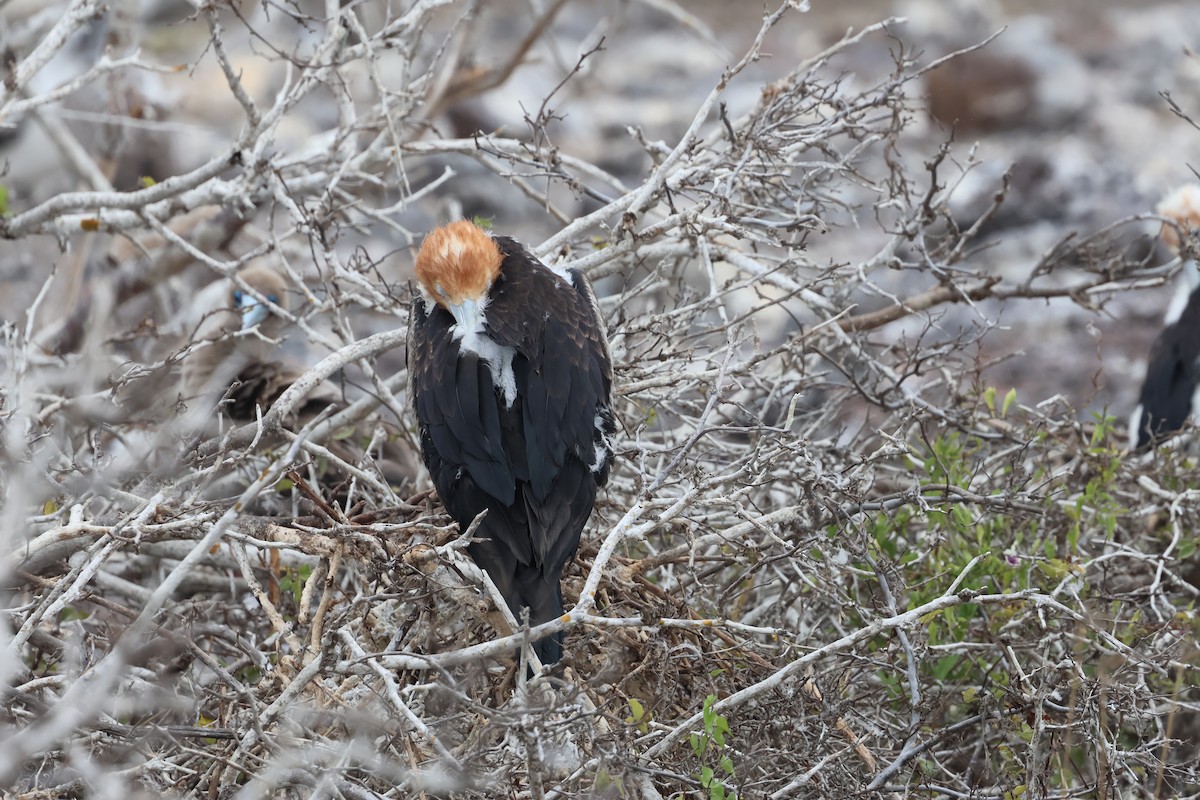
(499, 358)
(470, 331)
(468, 317)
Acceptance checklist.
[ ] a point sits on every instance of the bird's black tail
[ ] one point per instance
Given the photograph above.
(550, 649)
(544, 600)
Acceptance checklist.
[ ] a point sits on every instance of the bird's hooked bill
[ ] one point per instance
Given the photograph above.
(468, 316)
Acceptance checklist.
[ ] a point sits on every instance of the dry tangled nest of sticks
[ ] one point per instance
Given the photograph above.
(830, 561)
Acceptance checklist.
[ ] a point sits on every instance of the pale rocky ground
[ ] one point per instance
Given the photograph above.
(1070, 98)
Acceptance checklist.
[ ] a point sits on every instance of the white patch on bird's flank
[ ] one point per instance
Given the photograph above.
(1195, 403)
(604, 445)
(1190, 281)
(1191, 274)
(601, 456)
(1135, 424)
(563, 270)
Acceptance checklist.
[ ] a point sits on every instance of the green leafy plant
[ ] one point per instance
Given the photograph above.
(710, 745)
(292, 581)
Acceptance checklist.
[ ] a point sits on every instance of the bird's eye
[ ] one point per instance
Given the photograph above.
(237, 297)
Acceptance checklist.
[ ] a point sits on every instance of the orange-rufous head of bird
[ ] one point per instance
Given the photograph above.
(1183, 207)
(456, 266)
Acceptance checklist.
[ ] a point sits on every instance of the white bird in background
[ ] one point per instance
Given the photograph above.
(1169, 393)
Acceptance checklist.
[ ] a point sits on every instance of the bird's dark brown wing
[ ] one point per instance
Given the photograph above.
(564, 375)
(456, 404)
(605, 421)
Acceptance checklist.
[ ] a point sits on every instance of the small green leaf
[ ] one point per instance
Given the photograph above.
(603, 780)
(1186, 548)
(1008, 401)
(989, 398)
(3, 200)
(638, 717)
(1055, 568)
(147, 181)
(637, 708)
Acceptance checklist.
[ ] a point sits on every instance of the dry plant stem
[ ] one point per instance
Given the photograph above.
(73, 151)
(860, 749)
(86, 698)
(328, 577)
(391, 692)
(268, 715)
(907, 619)
(283, 629)
(77, 15)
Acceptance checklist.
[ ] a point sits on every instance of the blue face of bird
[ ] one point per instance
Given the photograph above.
(254, 312)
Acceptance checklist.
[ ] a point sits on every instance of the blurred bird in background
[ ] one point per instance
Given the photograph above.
(236, 341)
(238, 368)
(1169, 391)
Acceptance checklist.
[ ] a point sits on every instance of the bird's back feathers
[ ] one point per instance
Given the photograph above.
(535, 463)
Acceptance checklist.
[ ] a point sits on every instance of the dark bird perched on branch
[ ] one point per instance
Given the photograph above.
(1169, 393)
(511, 382)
